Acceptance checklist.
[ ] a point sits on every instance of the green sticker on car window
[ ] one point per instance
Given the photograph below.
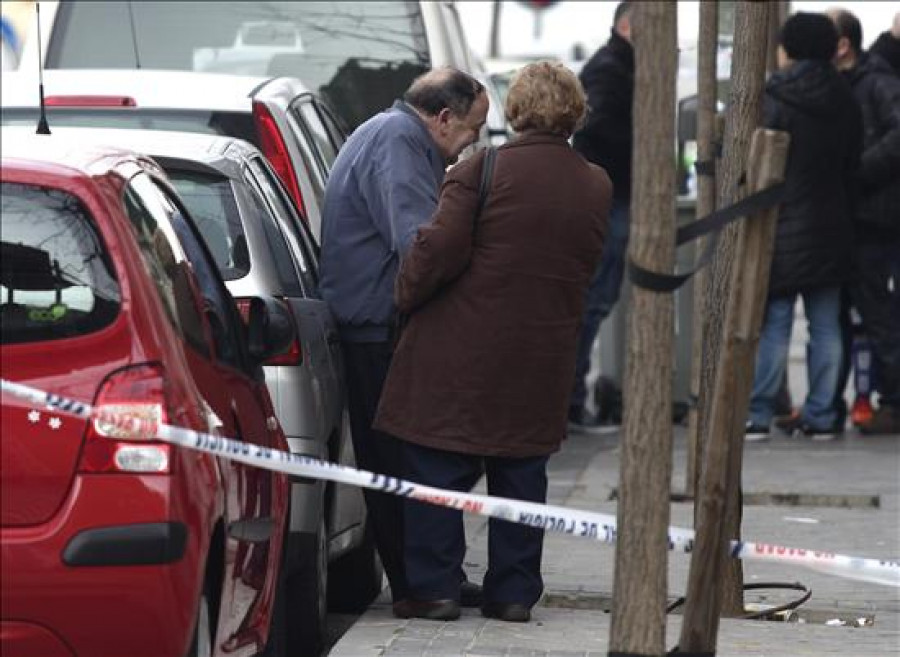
(54, 313)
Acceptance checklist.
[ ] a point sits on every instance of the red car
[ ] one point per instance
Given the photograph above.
(113, 546)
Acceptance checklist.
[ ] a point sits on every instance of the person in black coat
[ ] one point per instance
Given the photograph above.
(808, 99)
(875, 288)
(887, 45)
(606, 139)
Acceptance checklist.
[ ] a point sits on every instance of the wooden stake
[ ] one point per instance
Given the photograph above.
(744, 114)
(734, 379)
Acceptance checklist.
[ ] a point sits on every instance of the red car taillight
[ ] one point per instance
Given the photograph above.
(273, 147)
(294, 354)
(90, 101)
(138, 392)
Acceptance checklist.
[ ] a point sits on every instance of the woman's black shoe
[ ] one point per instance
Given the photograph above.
(442, 610)
(512, 612)
(470, 594)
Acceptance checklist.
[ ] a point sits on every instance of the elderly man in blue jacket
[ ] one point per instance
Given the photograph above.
(383, 186)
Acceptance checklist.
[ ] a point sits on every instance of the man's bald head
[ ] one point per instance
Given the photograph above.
(452, 105)
(442, 88)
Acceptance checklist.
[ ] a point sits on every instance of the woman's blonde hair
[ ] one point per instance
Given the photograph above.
(545, 96)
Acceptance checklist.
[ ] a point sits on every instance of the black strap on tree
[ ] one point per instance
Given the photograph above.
(705, 167)
(711, 223)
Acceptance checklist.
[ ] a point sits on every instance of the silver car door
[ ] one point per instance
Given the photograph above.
(348, 512)
(315, 323)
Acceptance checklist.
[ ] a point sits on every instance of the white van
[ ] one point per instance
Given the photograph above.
(360, 55)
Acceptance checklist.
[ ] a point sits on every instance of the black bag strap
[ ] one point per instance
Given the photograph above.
(487, 174)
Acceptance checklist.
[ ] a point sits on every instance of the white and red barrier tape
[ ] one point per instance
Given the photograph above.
(597, 526)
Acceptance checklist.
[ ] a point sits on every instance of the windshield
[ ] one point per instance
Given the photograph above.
(359, 55)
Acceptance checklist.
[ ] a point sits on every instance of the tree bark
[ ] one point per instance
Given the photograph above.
(743, 115)
(707, 88)
(494, 45)
(639, 587)
(777, 16)
(734, 379)
(733, 572)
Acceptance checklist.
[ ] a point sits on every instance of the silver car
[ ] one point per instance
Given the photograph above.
(294, 128)
(261, 247)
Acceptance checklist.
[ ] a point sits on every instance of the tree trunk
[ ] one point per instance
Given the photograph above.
(494, 45)
(639, 587)
(777, 16)
(715, 585)
(743, 115)
(707, 88)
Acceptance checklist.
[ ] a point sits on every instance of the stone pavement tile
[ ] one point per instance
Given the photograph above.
(487, 652)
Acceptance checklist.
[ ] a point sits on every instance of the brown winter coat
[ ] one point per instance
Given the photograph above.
(486, 362)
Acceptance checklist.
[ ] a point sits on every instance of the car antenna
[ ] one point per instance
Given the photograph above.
(43, 128)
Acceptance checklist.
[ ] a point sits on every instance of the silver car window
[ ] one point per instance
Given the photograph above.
(290, 223)
(326, 150)
(210, 200)
(260, 213)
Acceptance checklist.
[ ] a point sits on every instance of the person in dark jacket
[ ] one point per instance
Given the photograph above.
(887, 45)
(606, 139)
(875, 289)
(808, 99)
(383, 186)
(483, 370)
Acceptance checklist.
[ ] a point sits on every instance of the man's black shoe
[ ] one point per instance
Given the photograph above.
(440, 610)
(470, 594)
(511, 612)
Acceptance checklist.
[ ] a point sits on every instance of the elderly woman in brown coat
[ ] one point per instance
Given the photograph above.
(482, 373)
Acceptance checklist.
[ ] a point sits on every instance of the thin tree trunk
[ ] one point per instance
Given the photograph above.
(743, 115)
(707, 88)
(494, 46)
(777, 16)
(639, 588)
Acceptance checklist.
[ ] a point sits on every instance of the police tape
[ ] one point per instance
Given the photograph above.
(587, 524)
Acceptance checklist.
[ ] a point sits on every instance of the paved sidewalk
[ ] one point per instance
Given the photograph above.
(571, 620)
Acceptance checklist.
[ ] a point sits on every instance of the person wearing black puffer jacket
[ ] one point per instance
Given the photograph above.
(887, 45)
(875, 289)
(605, 139)
(808, 99)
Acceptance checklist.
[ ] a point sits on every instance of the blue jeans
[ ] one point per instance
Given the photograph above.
(823, 357)
(602, 295)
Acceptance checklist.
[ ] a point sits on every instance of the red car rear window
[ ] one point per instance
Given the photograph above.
(56, 279)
